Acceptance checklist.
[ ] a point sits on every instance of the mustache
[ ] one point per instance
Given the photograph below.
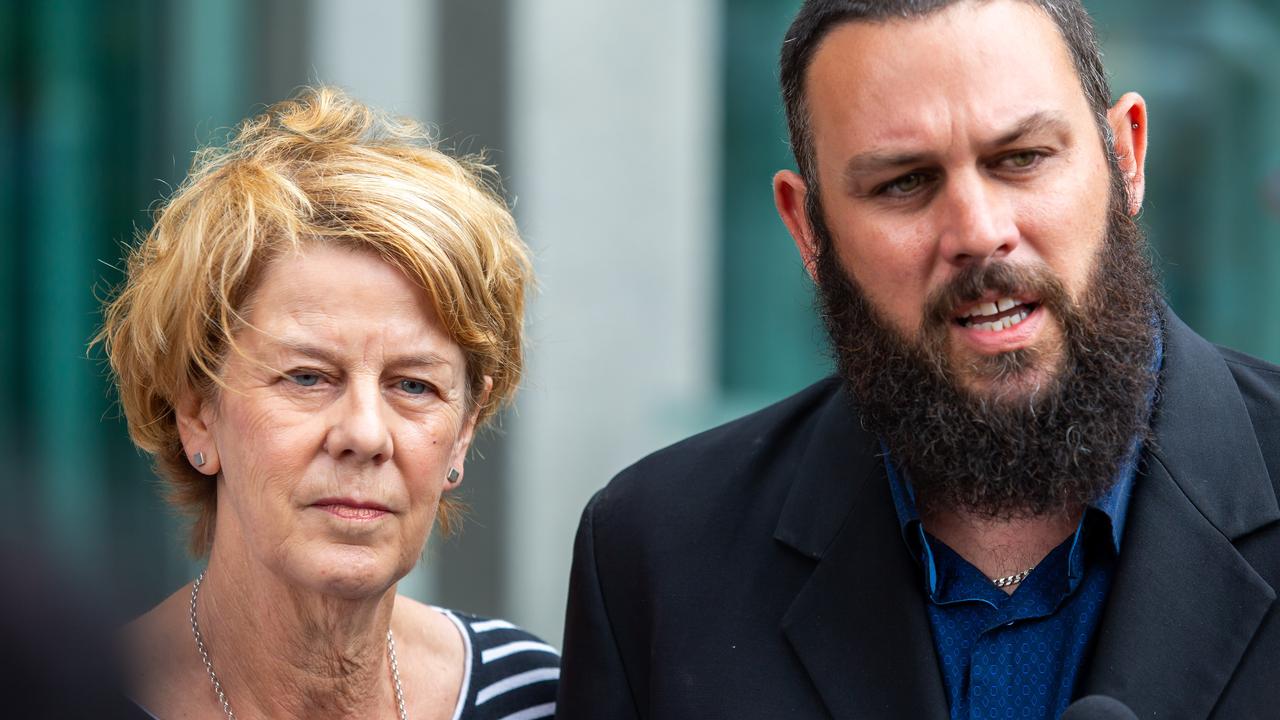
(973, 282)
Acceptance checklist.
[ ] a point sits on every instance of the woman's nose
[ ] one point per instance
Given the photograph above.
(359, 430)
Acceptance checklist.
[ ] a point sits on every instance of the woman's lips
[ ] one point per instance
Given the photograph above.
(351, 509)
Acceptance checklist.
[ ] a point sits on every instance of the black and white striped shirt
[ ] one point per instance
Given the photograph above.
(510, 674)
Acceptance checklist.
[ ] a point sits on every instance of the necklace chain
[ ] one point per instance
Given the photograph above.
(222, 695)
(1013, 579)
(395, 676)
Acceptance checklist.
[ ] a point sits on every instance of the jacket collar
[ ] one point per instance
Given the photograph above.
(1185, 603)
(859, 625)
(1203, 431)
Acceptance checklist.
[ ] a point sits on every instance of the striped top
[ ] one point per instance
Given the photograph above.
(510, 674)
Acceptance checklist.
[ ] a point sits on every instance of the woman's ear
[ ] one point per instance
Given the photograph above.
(194, 416)
(458, 458)
(1128, 120)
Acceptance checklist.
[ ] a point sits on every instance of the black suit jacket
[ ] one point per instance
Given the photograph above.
(757, 570)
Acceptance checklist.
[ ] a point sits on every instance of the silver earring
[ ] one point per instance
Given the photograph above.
(1135, 126)
(453, 476)
(198, 459)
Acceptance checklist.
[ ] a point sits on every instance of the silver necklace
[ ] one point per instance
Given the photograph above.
(1013, 579)
(222, 695)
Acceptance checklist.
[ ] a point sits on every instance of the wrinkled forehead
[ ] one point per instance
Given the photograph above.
(965, 67)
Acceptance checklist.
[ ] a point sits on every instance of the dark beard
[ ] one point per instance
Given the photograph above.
(1024, 452)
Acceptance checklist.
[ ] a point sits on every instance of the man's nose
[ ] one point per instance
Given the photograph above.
(358, 428)
(978, 223)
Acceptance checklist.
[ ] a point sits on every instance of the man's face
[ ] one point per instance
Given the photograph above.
(959, 165)
(956, 140)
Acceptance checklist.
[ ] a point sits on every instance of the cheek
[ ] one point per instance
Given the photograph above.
(266, 451)
(424, 450)
(1072, 228)
(894, 268)
(423, 453)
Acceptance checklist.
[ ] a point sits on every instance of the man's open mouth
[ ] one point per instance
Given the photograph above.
(996, 315)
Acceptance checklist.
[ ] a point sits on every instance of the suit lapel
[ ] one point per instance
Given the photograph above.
(859, 624)
(1185, 604)
(1183, 608)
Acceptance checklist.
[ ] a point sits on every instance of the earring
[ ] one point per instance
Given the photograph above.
(198, 459)
(453, 476)
(1135, 126)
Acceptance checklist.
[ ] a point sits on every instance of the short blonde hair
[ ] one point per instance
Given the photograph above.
(320, 167)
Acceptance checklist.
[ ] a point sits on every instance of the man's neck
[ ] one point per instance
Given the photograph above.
(999, 548)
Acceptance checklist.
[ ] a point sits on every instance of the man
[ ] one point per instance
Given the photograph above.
(1030, 481)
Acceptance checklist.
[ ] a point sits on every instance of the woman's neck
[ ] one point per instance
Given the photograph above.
(282, 652)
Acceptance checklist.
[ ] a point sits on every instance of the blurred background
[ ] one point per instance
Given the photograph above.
(637, 142)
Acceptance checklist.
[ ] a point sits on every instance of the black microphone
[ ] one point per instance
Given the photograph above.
(1098, 707)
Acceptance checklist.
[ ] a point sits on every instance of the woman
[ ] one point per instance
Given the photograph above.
(307, 340)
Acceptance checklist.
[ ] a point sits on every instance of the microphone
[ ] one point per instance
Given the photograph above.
(1098, 707)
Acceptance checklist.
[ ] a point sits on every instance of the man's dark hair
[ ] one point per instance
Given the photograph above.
(818, 17)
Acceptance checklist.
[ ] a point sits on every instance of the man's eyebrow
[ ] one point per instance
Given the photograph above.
(1039, 122)
(876, 161)
(879, 161)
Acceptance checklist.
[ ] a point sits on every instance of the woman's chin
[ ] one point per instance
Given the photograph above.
(346, 572)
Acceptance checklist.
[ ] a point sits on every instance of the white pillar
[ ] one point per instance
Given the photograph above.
(615, 133)
(378, 50)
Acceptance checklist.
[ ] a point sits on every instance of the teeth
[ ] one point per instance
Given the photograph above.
(1003, 323)
(991, 308)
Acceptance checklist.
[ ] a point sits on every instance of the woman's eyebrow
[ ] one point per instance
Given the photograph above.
(424, 359)
(294, 347)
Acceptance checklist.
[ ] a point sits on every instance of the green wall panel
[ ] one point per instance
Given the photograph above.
(771, 342)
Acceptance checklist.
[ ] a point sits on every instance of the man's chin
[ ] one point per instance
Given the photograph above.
(1010, 377)
(1008, 389)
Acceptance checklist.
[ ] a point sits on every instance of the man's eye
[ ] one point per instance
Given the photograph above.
(1022, 160)
(414, 387)
(304, 379)
(905, 185)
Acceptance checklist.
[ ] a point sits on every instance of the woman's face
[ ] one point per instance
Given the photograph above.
(338, 427)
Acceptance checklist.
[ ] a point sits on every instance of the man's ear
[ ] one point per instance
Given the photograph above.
(194, 416)
(1128, 120)
(789, 194)
(458, 458)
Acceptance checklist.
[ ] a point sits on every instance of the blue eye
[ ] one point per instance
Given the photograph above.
(305, 379)
(413, 387)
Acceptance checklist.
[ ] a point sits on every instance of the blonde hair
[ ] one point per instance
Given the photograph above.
(320, 167)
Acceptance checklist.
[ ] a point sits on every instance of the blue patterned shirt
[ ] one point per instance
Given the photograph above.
(1017, 656)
